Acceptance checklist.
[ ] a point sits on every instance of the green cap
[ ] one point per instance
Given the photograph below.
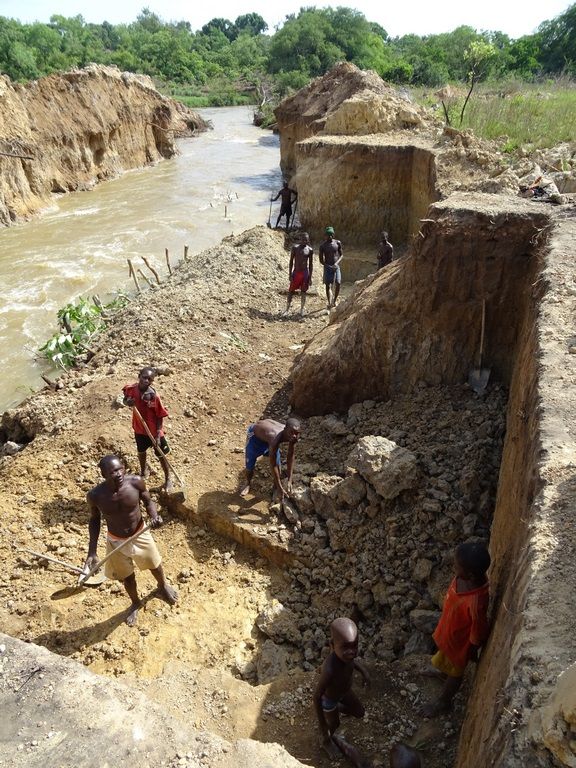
(329, 230)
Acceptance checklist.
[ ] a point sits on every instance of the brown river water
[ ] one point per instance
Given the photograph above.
(219, 184)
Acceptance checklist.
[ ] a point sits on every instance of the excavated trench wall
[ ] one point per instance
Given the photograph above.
(419, 320)
(361, 186)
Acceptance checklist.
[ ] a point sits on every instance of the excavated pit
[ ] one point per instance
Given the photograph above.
(361, 186)
(392, 362)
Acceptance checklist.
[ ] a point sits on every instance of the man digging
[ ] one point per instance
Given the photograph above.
(264, 439)
(118, 499)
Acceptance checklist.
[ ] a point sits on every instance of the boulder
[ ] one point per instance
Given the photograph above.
(388, 467)
(272, 662)
(279, 623)
(424, 621)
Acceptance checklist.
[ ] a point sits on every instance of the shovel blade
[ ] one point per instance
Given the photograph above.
(478, 379)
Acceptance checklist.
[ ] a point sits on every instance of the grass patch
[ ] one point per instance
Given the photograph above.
(540, 115)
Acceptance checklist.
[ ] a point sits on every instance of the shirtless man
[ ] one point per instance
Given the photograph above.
(264, 439)
(330, 254)
(118, 499)
(334, 695)
(286, 204)
(300, 272)
(385, 251)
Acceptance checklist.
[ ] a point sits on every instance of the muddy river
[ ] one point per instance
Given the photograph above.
(220, 184)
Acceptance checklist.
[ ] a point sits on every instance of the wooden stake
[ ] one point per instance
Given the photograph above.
(133, 273)
(225, 211)
(185, 253)
(144, 276)
(145, 260)
(168, 261)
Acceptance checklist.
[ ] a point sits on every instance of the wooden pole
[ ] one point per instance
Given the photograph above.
(144, 276)
(133, 273)
(168, 261)
(145, 260)
(20, 157)
(185, 253)
(225, 211)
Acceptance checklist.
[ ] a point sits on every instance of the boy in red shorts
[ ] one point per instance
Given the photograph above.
(144, 401)
(300, 272)
(463, 627)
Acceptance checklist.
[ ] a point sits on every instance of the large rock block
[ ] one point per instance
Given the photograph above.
(385, 465)
(279, 623)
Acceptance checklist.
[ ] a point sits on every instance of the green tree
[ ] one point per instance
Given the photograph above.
(558, 40)
(252, 23)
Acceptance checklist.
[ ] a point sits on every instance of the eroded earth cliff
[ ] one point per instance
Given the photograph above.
(68, 131)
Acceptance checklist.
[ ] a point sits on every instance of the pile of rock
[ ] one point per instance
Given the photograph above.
(382, 506)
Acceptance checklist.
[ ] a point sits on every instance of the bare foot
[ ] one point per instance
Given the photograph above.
(168, 594)
(245, 491)
(132, 615)
(436, 708)
(331, 750)
(168, 486)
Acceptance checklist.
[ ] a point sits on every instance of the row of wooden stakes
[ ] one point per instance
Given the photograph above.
(132, 271)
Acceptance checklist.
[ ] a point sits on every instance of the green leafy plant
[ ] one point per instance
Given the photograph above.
(78, 324)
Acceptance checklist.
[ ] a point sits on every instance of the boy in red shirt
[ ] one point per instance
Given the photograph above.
(463, 626)
(143, 398)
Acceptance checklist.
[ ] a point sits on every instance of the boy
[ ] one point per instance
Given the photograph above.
(144, 401)
(330, 254)
(463, 626)
(333, 694)
(264, 439)
(300, 272)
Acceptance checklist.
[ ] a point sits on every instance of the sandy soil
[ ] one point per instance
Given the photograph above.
(223, 363)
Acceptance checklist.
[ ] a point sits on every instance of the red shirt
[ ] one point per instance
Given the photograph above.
(464, 622)
(150, 410)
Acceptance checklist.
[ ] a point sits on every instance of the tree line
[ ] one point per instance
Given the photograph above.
(243, 54)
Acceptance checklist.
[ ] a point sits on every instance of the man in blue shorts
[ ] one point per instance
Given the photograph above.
(264, 439)
(330, 254)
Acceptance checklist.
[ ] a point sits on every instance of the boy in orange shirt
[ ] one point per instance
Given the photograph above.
(142, 397)
(463, 626)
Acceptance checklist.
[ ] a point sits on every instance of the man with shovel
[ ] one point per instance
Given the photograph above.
(148, 416)
(287, 196)
(118, 499)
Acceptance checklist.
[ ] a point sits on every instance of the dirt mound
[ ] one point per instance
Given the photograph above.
(68, 131)
(346, 100)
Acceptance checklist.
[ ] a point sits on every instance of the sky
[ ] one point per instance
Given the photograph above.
(421, 17)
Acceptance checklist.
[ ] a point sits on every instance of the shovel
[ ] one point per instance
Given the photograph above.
(85, 577)
(155, 444)
(268, 224)
(478, 377)
(89, 581)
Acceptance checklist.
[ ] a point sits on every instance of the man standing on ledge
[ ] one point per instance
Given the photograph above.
(118, 499)
(264, 439)
(300, 272)
(330, 254)
(286, 204)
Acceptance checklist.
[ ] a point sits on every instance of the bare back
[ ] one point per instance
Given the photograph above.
(269, 431)
(120, 508)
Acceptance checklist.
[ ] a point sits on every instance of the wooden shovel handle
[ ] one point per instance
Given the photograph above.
(155, 443)
(85, 576)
